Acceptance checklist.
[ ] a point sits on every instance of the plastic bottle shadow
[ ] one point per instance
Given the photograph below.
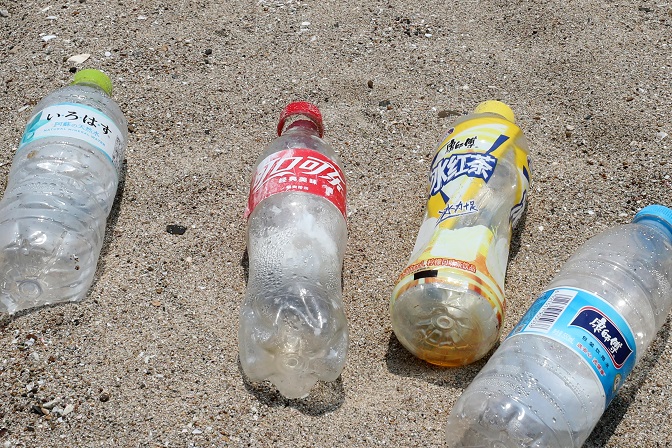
(110, 225)
(324, 397)
(516, 236)
(401, 362)
(611, 418)
(5, 319)
(245, 264)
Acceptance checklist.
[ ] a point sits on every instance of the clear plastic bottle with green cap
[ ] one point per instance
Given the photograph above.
(549, 382)
(448, 303)
(60, 190)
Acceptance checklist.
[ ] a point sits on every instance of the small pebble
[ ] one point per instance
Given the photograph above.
(384, 103)
(68, 409)
(661, 135)
(447, 113)
(4, 13)
(208, 52)
(197, 431)
(108, 54)
(104, 397)
(569, 130)
(39, 410)
(175, 229)
(48, 37)
(370, 83)
(51, 404)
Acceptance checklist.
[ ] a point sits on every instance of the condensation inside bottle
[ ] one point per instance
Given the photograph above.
(293, 329)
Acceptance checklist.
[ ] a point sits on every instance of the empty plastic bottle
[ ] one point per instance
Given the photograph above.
(60, 190)
(552, 378)
(293, 330)
(448, 303)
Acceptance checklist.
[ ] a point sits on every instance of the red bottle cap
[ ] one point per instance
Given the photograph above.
(308, 110)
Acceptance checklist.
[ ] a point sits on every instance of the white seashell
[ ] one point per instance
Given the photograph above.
(79, 58)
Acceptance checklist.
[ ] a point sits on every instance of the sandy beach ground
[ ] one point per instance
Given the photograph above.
(150, 358)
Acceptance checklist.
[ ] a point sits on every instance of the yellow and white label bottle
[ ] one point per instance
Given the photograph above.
(448, 303)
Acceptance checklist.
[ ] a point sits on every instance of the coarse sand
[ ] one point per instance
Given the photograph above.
(150, 358)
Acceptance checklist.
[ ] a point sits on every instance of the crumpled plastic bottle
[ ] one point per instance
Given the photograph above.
(60, 191)
(293, 330)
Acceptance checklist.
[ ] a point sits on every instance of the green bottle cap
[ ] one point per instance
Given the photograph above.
(496, 107)
(92, 76)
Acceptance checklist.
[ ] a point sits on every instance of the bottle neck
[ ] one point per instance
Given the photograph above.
(91, 84)
(302, 126)
(661, 226)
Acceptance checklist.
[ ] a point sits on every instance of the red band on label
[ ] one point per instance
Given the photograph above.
(297, 170)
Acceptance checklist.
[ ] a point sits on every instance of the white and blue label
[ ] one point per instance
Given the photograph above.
(78, 121)
(589, 326)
